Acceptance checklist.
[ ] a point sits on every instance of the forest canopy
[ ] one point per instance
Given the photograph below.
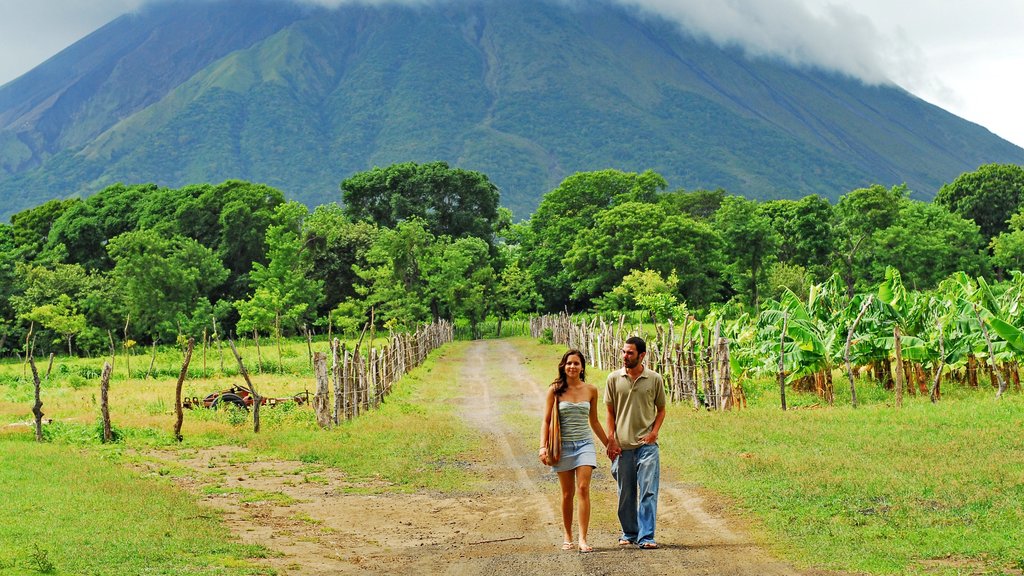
(411, 242)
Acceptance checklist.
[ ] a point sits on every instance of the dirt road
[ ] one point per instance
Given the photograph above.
(511, 527)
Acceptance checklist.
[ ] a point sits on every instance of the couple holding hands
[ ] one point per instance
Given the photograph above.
(635, 402)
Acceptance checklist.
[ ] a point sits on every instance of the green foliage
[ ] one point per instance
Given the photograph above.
(989, 196)
(394, 281)
(750, 244)
(284, 296)
(569, 210)
(450, 201)
(164, 280)
(1008, 247)
(335, 244)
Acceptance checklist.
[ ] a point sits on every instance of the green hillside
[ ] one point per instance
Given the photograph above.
(527, 93)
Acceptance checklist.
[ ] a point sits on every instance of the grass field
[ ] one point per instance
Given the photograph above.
(923, 489)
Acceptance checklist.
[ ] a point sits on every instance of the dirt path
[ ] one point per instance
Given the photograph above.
(511, 528)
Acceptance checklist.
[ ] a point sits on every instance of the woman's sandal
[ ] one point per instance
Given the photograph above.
(584, 548)
(648, 546)
(567, 545)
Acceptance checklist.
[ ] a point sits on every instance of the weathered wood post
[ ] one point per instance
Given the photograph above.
(849, 340)
(339, 392)
(897, 346)
(257, 400)
(782, 357)
(108, 435)
(37, 408)
(322, 398)
(178, 414)
(991, 355)
(934, 394)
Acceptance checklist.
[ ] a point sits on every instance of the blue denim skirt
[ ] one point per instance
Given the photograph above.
(576, 454)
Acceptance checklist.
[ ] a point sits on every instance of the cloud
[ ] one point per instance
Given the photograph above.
(806, 33)
(802, 33)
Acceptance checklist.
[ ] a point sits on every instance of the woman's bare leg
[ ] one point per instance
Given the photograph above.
(567, 481)
(583, 474)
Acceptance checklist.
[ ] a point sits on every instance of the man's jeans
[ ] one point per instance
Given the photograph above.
(637, 473)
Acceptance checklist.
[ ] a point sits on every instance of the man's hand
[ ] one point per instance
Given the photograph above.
(613, 450)
(649, 438)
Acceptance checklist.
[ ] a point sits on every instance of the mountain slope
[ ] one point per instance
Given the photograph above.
(526, 92)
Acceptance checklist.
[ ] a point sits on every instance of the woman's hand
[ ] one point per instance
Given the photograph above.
(543, 455)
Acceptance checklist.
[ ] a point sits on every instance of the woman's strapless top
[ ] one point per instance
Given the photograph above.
(574, 420)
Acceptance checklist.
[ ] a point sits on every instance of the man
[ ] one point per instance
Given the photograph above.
(635, 398)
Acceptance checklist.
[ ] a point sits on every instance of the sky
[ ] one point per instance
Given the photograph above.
(965, 57)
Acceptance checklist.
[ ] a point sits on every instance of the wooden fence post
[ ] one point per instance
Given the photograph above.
(104, 406)
(257, 400)
(339, 393)
(37, 408)
(179, 415)
(322, 398)
(782, 357)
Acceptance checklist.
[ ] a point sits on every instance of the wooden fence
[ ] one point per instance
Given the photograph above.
(695, 370)
(362, 380)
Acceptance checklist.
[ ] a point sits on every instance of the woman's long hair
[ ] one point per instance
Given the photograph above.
(561, 384)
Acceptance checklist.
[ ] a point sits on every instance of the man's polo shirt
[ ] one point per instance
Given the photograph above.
(636, 404)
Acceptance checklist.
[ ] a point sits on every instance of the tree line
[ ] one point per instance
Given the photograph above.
(410, 243)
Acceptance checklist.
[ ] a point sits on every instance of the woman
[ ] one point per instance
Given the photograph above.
(577, 407)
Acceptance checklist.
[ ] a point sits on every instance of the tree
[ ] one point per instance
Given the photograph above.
(859, 214)
(335, 244)
(31, 228)
(643, 289)
(700, 204)
(750, 244)
(9, 258)
(1008, 247)
(568, 211)
(805, 228)
(36, 285)
(515, 292)
(61, 316)
(462, 280)
(284, 296)
(80, 234)
(989, 196)
(393, 280)
(639, 236)
(451, 201)
(927, 243)
(163, 279)
(230, 218)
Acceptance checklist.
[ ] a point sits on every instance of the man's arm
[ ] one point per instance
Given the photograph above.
(652, 436)
(612, 450)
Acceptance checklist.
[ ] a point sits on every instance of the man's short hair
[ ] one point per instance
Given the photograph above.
(638, 342)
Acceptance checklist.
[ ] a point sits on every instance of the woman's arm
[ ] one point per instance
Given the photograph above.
(545, 424)
(595, 424)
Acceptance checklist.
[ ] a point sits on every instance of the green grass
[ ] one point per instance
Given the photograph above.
(923, 489)
(78, 512)
(414, 440)
(874, 489)
(70, 501)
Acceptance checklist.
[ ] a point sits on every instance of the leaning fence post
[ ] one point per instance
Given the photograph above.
(179, 415)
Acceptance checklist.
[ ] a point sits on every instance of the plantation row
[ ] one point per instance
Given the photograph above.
(966, 331)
